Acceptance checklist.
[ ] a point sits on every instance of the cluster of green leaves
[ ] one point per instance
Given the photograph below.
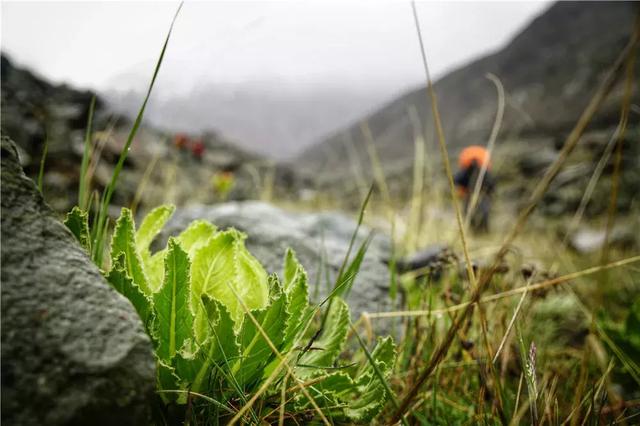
(215, 317)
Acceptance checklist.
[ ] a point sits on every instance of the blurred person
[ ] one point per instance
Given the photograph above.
(470, 162)
(180, 141)
(198, 149)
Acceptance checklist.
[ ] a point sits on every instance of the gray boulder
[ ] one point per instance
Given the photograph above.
(74, 351)
(320, 241)
(588, 240)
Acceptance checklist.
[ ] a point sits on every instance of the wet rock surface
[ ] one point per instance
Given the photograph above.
(318, 239)
(74, 351)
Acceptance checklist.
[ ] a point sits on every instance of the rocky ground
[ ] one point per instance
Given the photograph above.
(156, 171)
(320, 240)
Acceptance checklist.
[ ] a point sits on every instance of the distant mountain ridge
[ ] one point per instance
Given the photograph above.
(271, 118)
(549, 71)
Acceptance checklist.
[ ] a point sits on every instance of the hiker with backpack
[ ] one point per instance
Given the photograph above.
(474, 168)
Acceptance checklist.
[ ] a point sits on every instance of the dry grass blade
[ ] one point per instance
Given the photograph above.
(511, 323)
(378, 171)
(624, 117)
(445, 158)
(143, 184)
(492, 140)
(45, 150)
(415, 214)
(283, 400)
(577, 217)
(591, 394)
(443, 148)
(199, 395)
(509, 293)
(356, 167)
(514, 420)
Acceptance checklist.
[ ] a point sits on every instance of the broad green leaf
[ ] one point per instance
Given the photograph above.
(220, 348)
(326, 349)
(291, 267)
(167, 380)
(154, 269)
(195, 236)
(384, 355)
(174, 323)
(151, 226)
(371, 391)
(368, 403)
(256, 353)
(153, 265)
(77, 220)
(124, 241)
(330, 394)
(360, 399)
(224, 270)
(120, 280)
(297, 291)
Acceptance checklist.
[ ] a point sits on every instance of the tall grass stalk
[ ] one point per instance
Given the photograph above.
(591, 185)
(268, 183)
(356, 167)
(45, 150)
(511, 323)
(492, 140)
(84, 185)
(376, 166)
(624, 117)
(143, 184)
(528, 362)
(100, 227)
(102, 138)
(445, 158)
(415, 215)
(346, 274)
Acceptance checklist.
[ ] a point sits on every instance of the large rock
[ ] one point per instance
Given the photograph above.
(74, 351)
(318, 239)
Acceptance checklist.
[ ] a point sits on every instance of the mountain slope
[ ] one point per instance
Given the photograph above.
(271, 118)
(35, 110)
(549, 71)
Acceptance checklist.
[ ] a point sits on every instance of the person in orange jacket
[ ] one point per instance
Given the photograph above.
(470, 162)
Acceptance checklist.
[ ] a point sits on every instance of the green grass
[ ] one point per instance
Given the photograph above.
(102, 222)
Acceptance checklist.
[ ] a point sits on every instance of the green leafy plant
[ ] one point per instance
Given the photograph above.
(215, 317)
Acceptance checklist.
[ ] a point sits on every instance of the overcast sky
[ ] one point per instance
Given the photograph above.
(107, 45)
